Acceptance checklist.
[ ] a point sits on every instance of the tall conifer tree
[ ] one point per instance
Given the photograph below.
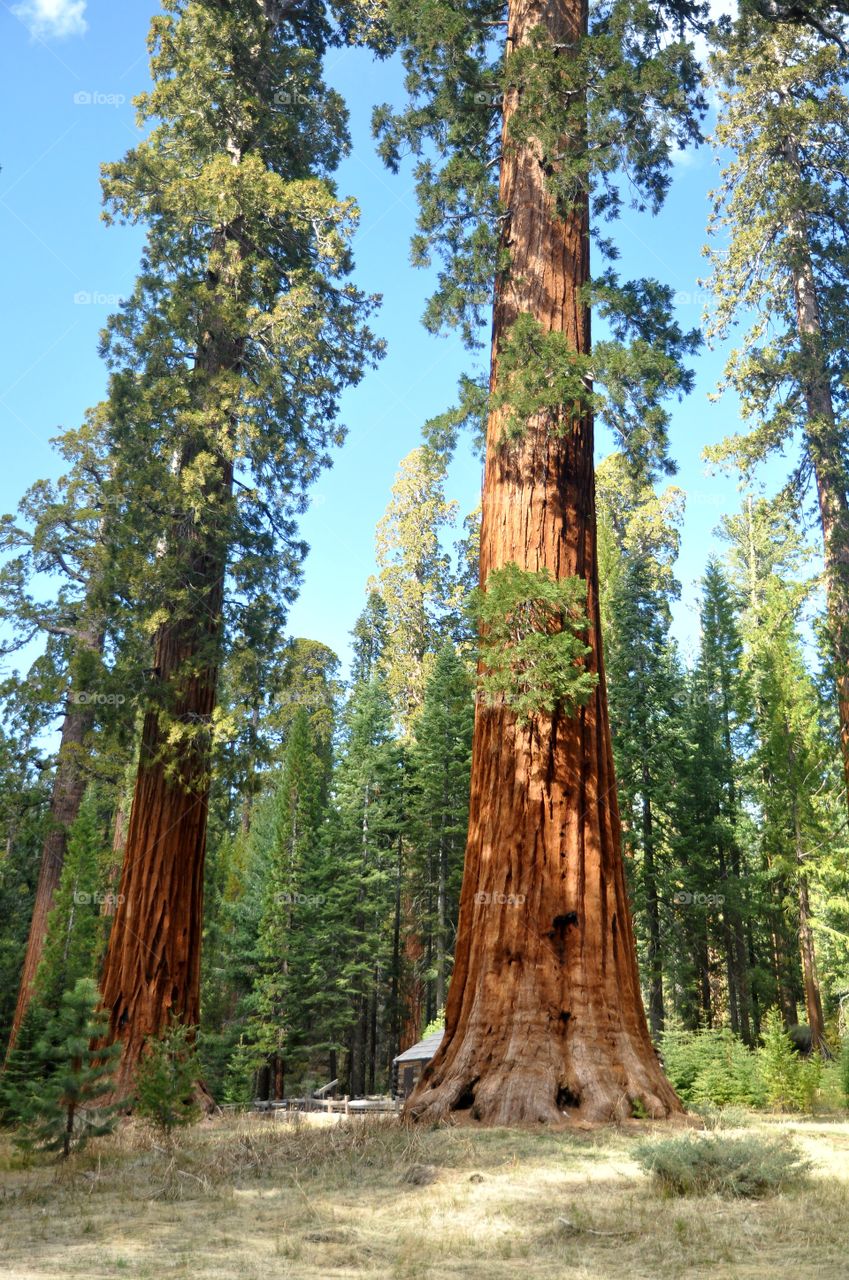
(519, 117)
(783, 205)
(227, 362)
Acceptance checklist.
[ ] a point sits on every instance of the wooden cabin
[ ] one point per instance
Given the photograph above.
(407, 1068)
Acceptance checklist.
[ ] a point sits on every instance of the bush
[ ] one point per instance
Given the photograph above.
(61, 1112)
(790, 1082)
(166, 1079)
(844, 1070)
(721, 1117)
(748, 1166)
(25, 1067)
(712, 1067)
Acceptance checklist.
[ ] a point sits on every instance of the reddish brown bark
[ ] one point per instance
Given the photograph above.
(69, 785)
(152, 966)
(544, 1016)
(412, 988)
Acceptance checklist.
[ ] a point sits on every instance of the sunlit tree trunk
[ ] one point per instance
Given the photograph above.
(544, 1016)
(152, 967)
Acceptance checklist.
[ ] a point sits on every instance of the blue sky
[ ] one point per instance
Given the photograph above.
(69, 72)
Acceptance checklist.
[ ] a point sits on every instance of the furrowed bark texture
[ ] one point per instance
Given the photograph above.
(152, 967)
(544, 1018)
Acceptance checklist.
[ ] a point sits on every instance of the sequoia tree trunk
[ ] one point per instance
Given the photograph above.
(544, 1017)
(69, 783)
(413, 989)
(152, 966)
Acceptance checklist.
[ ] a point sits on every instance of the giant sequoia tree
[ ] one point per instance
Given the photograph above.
(227, 362)
(544, 1015)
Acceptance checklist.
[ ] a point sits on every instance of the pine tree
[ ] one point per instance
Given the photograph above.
(61, 530)
(363, 894)
(414, 577)
(438, 810)
(789, 763)
(371, 637)
(24, 802)
(62, 1112)
(290, 924)
(77, 925)
(166, 1079)
(711, 899)
(227, 363)
(640, 538)
(790, 1081)
(784, 207)
(25, 1068)
(720, 669)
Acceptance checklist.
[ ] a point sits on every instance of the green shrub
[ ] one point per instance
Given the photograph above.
(790, 1082)
(703, 1164)
(166, 1079)
(62, 1111)
(712, 1067)
(844, 1070)
(721, 1117)
(25, 1066)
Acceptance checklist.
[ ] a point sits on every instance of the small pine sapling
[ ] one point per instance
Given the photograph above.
(165, 1083)
(791, 1082)
(69, 1106)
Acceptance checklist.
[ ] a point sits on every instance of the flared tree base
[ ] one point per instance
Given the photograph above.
(600, 1081)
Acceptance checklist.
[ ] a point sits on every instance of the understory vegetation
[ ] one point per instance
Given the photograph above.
(255, 1197)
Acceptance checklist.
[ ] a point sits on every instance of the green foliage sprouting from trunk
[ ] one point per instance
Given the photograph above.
(532, 641)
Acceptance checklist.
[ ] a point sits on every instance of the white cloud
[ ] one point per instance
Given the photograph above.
(52, 18)
(684, 157)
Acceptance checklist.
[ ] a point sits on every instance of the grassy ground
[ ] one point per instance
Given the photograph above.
(259, 1199)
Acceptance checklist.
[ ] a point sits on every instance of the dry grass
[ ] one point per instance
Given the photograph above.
(260, 1198)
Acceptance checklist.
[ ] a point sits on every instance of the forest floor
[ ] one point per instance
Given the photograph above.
(256, 1199)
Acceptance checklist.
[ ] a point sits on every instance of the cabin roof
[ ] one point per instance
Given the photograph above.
(425, 1049)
